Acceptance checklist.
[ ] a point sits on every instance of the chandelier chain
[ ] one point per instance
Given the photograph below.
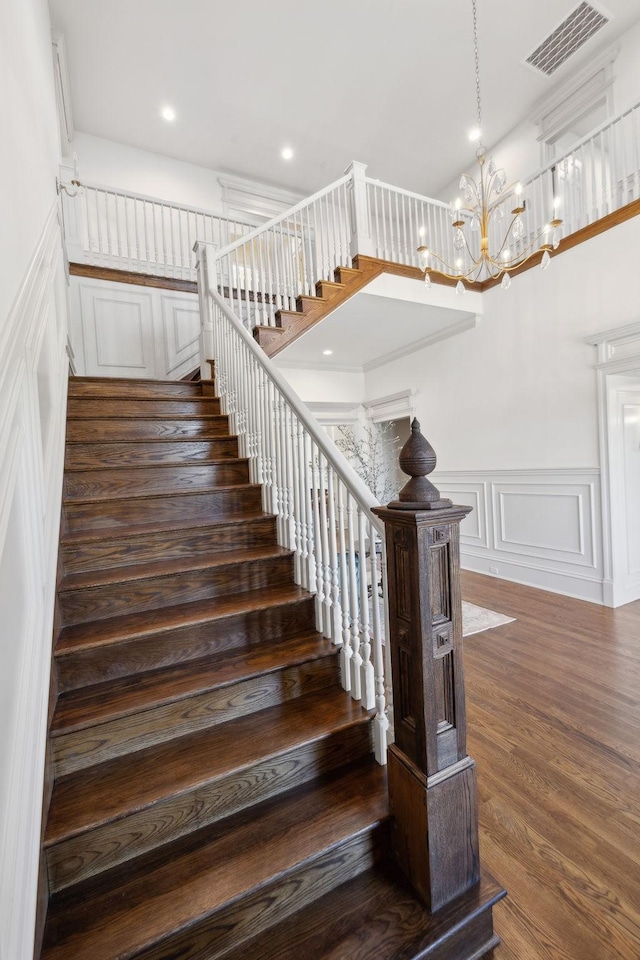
(477, 63)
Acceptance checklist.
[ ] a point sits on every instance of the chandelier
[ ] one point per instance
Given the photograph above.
(481, 250)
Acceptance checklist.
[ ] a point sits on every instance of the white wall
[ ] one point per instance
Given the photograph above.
(518, 395)
(626, 87)
(520, 152)
(319, 386)
(33, 332)
(519, 391)
(112, 164)
(29, 142)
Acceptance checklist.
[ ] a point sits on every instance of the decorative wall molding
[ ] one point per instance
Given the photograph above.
(240, 196)
(392, 407)
(618, 361)
(618, 348)
(124, 330)
(578, 94)
(461, 326)
(33, 383)
(539, 527)
(333, 413)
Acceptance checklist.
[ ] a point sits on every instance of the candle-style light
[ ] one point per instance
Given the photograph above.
(484, 202)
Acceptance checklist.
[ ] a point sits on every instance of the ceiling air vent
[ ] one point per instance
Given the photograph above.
(568, 37)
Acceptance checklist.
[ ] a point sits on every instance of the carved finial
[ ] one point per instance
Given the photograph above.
(417, 459)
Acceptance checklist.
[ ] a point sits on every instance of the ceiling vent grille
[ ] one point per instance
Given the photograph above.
(567, 38)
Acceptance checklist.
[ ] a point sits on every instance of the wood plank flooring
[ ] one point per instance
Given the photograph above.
(553, 705)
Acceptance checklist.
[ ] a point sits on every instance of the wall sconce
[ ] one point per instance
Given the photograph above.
(71, 189)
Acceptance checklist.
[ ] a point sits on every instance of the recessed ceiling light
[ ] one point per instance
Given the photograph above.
(474, 134)
(327, 353)
(287, 153)
(168, 114)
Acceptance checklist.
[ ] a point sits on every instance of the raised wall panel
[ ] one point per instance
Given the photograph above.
(33, 382)
(473, 529)
(125, 330)
(546, 520)
(118, 331)
(181, 328)
(540, 527)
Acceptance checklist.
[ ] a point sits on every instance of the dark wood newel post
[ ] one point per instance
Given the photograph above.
(432, 782)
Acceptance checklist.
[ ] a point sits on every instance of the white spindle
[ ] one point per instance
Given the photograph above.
(323, 511)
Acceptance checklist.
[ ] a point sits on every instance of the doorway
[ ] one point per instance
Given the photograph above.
(623, 428)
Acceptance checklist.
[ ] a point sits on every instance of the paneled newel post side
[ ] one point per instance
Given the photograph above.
(432, 782)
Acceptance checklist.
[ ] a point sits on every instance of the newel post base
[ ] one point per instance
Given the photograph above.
(432, 780)
(435, 828)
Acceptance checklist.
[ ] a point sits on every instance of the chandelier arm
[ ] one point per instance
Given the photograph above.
(520, 263)
(531, 249)
(506, 194)
(506, 237)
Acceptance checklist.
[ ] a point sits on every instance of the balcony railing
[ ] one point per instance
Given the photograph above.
(130, 231)
(264, 269)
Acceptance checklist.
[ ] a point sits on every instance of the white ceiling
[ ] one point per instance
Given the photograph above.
(388, 82)
(369, 330)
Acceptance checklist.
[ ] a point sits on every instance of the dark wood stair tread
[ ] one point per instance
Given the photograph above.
(94, 415)
(147, 901)
(107, 792)
(133, 531)
(165, 496)
(163, 465)
(134, 440)
(374, 916)
(145, 397)
(149, 570)
(86, 636)
(100, 703)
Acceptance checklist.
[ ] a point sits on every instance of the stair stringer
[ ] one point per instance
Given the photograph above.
(291, 324)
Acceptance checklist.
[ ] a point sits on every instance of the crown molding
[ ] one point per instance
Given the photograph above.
(468, 323)
(258, 199)
(318, 365)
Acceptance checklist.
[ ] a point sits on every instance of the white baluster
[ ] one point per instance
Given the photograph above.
(309, 521)
(326, 560)
(381, 722)
(356, 658)
(345, 603)
(334, 575)
(366, 667)
(317, 540)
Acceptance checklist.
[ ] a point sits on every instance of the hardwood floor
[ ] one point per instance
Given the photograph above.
(553, 704)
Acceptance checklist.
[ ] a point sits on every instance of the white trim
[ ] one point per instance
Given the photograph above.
(30, 491)
(394, 406)
(335, 412)
(283, 364)
(564, 555)
(63, 91)
(469, 323)
(255, 199)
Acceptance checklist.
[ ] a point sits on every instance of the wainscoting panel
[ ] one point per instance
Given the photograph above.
(181, 320)
(539, 527)
(473, 529)
(124, 330)
(33, 387)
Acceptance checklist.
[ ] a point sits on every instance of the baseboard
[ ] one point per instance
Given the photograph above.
(531, 575)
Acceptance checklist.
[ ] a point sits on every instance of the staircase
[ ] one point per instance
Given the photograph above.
(330, 294)
(215, 794)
